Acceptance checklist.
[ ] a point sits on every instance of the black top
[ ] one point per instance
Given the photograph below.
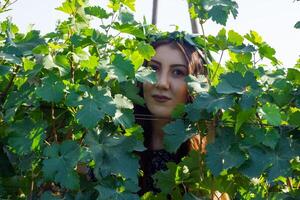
(154, 160)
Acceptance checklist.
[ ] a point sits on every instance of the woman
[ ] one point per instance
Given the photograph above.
(174, 60)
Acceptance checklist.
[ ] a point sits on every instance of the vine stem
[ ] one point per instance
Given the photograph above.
(54, 133)
(9, 85)
(32, 185)
(219, 64)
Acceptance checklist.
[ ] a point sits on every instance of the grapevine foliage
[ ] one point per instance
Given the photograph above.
(67, 101)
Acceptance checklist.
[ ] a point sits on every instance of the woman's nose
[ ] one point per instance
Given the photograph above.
(163, 81)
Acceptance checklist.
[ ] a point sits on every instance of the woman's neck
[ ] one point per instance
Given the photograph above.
(157, 135)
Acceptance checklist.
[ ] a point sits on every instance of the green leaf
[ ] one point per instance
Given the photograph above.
(266, 51)
(129, 3)
(146, 75)
(122, 102)
(224, 153)
(90, 64)
(270, 138)
(130, 29)
(166, 179)
(51, 90)
(89, 114)
(258, 136)
(10, 58)
(258, 162)
(121, 68)
(176, 133)
(218, 14)
(197, 84)
(41, 49)
(294, 118)
(242, 117)
(28, 64)
(4, 70)
(132, 92)
(294, 75)
(95, 106)
(68, 7)
(26, 136)
(110, 154)
(231, 83)
(124, 117)
(126, 17)
(271, 113)
(60, 163)
(254, 37)
(235, 38)
(297, 25)
(146, 50)
(96, 11)
(50, 65)
(280, 159)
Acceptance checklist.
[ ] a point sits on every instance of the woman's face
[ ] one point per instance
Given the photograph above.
(171, 89)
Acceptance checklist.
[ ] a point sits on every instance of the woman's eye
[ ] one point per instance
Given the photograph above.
(154, 67)
(179, 73)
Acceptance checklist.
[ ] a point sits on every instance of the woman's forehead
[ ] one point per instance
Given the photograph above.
(169, 53)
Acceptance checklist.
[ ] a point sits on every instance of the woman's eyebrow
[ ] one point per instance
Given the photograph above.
(155, 61)
(179, 65)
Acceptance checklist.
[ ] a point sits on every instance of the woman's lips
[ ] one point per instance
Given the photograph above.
(161, 98)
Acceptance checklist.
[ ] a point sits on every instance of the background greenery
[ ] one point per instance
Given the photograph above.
(67, 97)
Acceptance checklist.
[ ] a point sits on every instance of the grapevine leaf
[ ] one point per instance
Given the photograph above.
(124, 117)
(4, 70)
(280, 159)
(122, 102)
(231, 83)
(176, 133)
(26, 136)
(96, 11)
(51, 90)
(60, 163)
(197, 84)
(166, 179)
(271, 113)
(146, 74)
(110, 154)
(90, 64)
(294, 118)
(89, 114)
(28, 64)
(247, 100)
(266, 51)
(297, 25)
(294, 75)
(50, 65)
(131, 91)
(235, 38)
(220, 103)
(258, 163)
(68, 7)
(242, 117)
(254, 37)
(218, 14)
(10, 58)
(146, 50)
(122, 68)
(130, 29)
(126, 17)
(258, 136)
(223, 154)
